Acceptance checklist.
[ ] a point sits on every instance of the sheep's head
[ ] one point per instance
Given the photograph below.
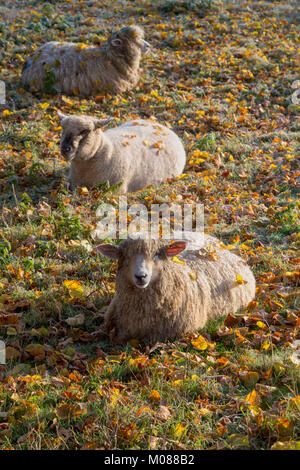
(128, 38)
(78, 135)
(140, 262)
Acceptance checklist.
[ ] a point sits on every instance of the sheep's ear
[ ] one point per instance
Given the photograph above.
(110, 251)
(116, 42)
(175, 247)
(102, 122)
(61, 115)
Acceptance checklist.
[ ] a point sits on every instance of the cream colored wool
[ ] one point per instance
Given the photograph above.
(78, 69)
(181, 298)
(139, 153)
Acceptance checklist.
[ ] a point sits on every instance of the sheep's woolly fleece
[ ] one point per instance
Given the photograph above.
(77, 69)
(138, 153)
(184, 296)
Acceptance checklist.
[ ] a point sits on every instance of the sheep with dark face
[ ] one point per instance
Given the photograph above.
(159, 299)
(137, 153)
(85, 71)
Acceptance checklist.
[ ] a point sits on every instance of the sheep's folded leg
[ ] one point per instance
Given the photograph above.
(110, 318)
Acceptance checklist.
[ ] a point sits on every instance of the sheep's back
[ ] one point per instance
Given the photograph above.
(154, 152)
(71, 64)
(207, 261)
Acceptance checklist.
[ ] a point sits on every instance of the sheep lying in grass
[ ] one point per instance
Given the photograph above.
(158, 298)
(75, 69)
(139, 153)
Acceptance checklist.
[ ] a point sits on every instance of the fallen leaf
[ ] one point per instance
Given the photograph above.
(154, 396)
(163, 413)
(77, 320)
(200, 343)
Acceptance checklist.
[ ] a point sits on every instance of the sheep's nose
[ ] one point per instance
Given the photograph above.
(140, 278)
(66, 151)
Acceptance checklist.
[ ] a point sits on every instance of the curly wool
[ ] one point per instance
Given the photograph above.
(86, 71)
(183, 297)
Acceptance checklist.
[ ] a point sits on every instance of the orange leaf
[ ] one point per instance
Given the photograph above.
(200, 343)
(154, 396)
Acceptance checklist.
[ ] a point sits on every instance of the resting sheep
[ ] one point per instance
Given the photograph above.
(76, 69)
(158, 299)
(137, 153)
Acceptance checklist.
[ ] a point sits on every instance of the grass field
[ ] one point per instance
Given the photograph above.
(222, 74)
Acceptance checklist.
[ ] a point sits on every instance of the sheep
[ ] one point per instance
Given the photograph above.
(76, 69)
(135, 154)
(160, 298)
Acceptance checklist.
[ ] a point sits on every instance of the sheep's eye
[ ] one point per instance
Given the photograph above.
(84, 133)
(156, 256)
(117, 42)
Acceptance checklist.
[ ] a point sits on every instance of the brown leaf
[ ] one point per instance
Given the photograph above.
(163, 413)
(8, 319)
(36, 350)
(68, 410)
(12, 353)
(231, 320)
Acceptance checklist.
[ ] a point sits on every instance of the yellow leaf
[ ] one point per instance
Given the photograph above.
(240, 280)
(177, 382)
(287, 445)
(44, 105)
(205, 411)
(295, 403)
(74, 287)
(177, 260)
(11, 331)
(252, 398)
(261, 324)
(114, 396)
(238, 440)
(200, 343)
(279, 367)
(6, 112)
(182, 176)
(193, 275)
(179, 430)
(266, 345)
(84, 191)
